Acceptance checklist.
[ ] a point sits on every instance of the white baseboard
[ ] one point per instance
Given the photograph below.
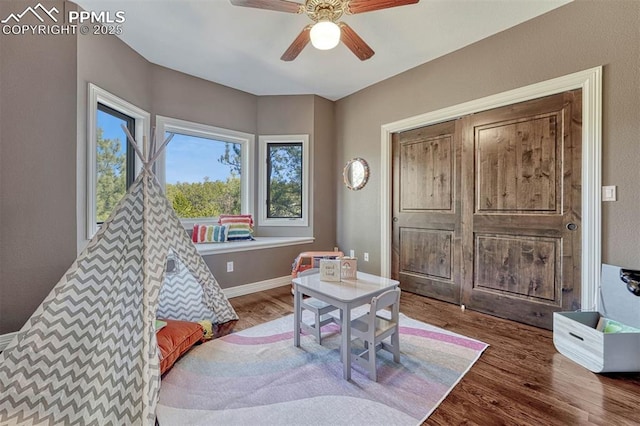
(5, 339)
(242, 290)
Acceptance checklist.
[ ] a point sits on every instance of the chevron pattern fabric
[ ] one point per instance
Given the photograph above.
(88, 355)
(169, 234)
(181, 296)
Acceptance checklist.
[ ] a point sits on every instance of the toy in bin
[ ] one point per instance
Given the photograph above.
(311, 259)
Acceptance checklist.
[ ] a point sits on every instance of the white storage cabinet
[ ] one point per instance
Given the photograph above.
(576, 337)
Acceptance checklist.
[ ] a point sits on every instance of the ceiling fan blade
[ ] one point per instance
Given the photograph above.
(354, 42)
(298, 44)
(360, 6)
(277, 5)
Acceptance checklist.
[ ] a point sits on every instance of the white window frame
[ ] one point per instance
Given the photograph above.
(263, 142)
(142, 119)
(246, 141)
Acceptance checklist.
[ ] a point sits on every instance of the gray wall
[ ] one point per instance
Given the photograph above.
(37, 167)
(293, 115)
(43, 113)
(575, 37)
(182, 96)
(324, 173)
(118, 69)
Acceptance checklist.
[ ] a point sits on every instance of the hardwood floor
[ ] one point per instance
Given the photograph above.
(519, 380)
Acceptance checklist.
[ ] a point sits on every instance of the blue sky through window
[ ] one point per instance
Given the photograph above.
(191, 159)
(188, 158)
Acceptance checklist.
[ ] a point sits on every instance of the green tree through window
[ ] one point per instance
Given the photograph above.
(115, 162)
(284, 175)
(111, 182)
(192, 193)
(190, 163)
(205, 199)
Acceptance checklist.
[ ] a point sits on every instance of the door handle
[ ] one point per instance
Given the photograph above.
(395, 219)
(572, 226)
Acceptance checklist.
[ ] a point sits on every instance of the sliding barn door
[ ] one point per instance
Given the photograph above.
(521, 186)
(426, 211)
(487, 208)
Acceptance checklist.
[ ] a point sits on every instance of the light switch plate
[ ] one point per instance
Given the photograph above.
(609, 193)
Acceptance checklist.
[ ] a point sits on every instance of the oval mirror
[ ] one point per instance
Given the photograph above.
(356, 174)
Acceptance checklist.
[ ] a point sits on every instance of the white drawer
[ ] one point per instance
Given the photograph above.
(575, 336)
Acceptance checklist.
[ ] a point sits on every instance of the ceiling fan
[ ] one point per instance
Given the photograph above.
(326, 31)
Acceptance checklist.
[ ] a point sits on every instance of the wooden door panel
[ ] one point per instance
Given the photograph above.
(426, 252)
(521, 168)
(426, 229)
(517, 266)
(517, 165)
(426, 175)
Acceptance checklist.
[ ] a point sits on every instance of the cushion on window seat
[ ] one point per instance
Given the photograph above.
(236, 218)
(238, 232)
(176, 338)
(239, 227)
(209, 233)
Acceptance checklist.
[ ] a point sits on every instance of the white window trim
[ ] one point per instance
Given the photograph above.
(142, 119)
(263, 141)
(247, 140)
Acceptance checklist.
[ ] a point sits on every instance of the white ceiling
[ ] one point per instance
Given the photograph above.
(241, 47)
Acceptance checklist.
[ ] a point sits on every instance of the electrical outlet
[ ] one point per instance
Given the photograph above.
(352, 253)
(229, 266)
(366, 257)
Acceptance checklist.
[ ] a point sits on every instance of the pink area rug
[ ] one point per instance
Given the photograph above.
(257, 377)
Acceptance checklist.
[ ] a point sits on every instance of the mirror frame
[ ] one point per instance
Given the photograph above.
(345, 174)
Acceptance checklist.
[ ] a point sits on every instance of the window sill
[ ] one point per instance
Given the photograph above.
(258, 244)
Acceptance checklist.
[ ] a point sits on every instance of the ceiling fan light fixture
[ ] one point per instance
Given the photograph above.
(325, 35)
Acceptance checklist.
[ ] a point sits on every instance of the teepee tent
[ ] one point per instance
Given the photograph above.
(88, 354)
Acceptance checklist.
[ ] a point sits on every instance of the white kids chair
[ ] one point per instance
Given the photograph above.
(320, 310)
(373, 328)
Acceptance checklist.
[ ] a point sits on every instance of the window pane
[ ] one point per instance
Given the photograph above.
(203, 176)
(114, 165)
(284, 177)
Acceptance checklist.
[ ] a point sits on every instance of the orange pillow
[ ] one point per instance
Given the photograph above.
(175, 339)
(224, 219)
